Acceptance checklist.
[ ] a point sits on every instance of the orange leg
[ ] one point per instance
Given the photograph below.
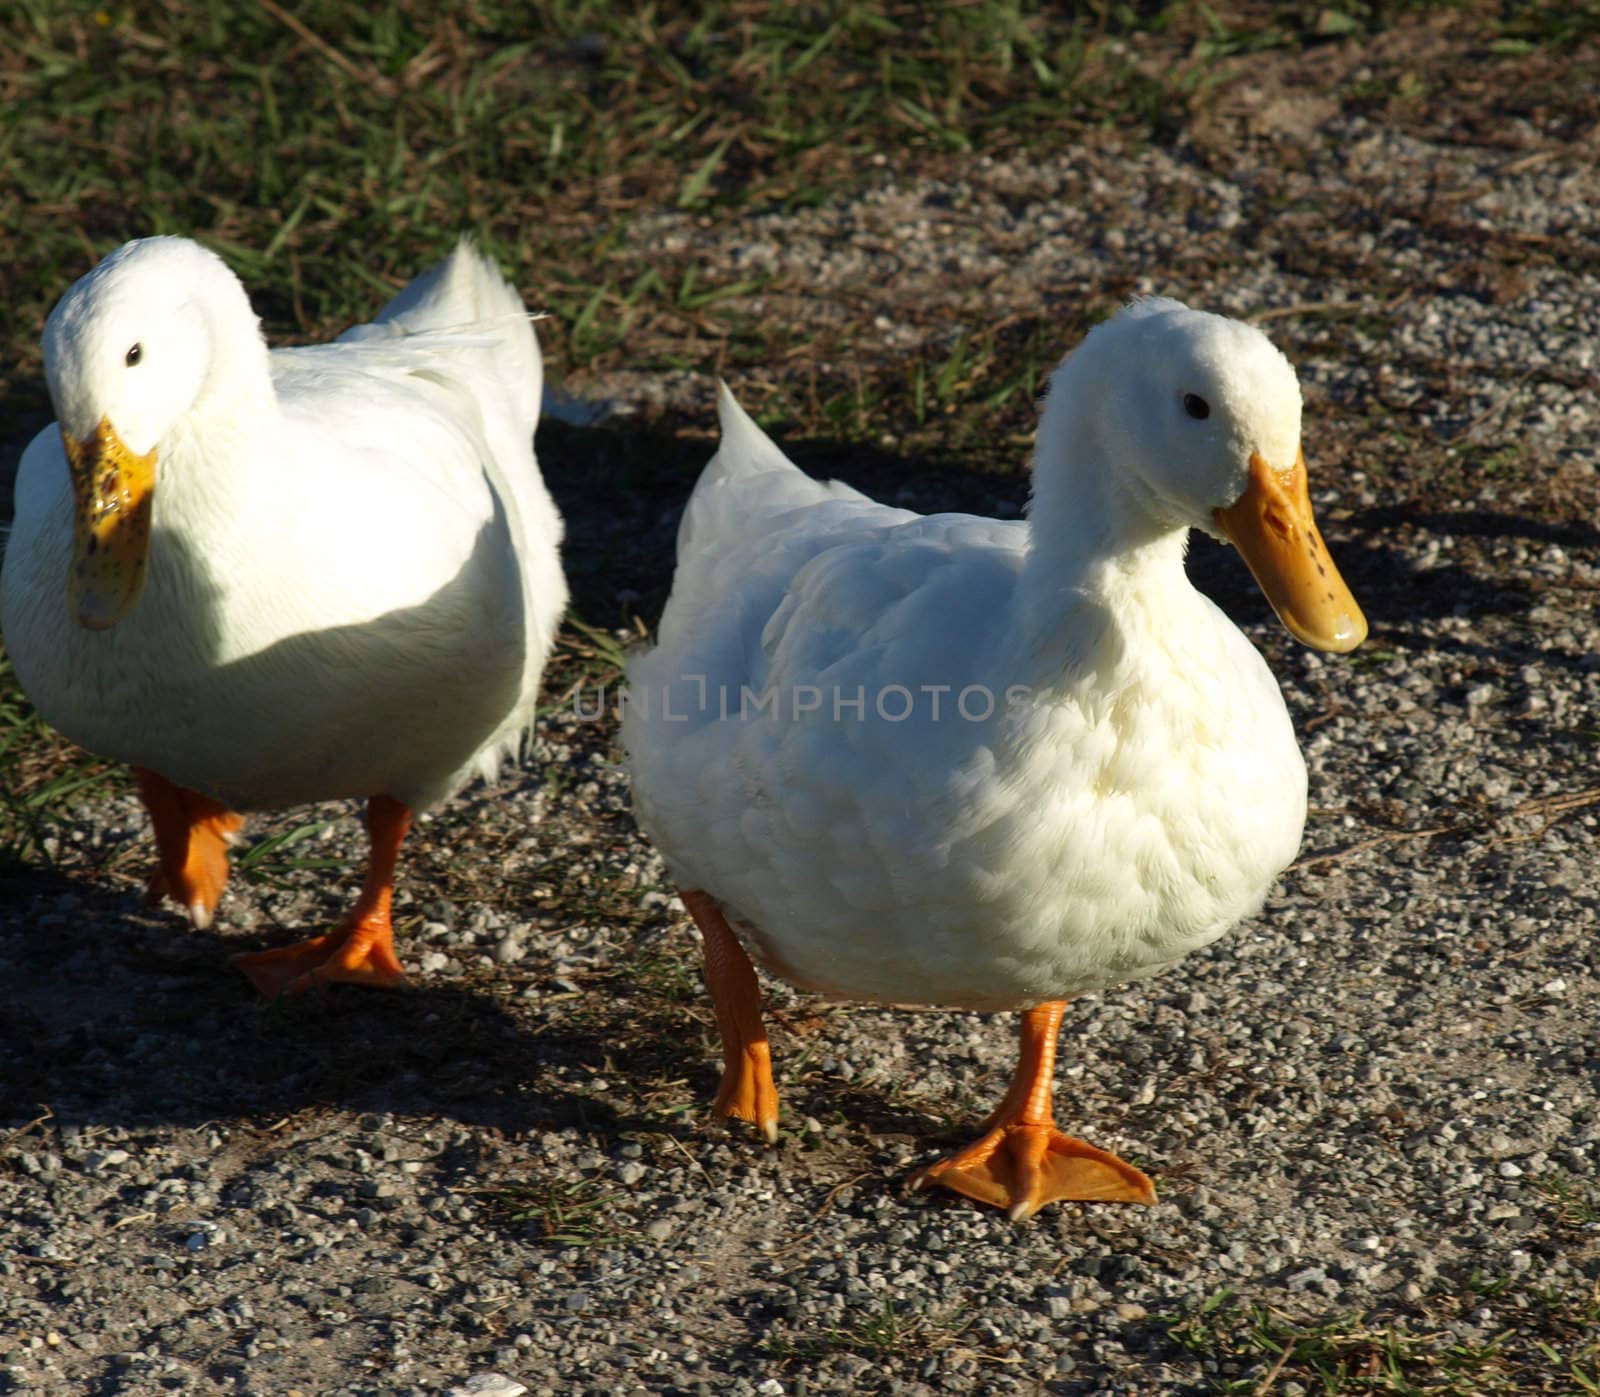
(361, 948)
(747, 1089)
(1022, 1161)
(193, 833)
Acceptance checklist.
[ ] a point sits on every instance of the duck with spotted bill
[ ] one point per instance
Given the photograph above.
(1111, 781)
(269, 578)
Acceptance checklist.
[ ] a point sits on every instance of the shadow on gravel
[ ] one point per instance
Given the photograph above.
(1467, 587)
(137, 1020)
(1485, 523)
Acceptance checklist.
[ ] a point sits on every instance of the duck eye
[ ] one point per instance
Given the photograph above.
(1196, 406)
(134, 355)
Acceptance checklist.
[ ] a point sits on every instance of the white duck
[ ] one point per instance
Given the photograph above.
(265, 578)
(959, 761)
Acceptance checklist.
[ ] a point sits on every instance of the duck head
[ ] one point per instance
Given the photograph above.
(1198, 417)
(127, 353)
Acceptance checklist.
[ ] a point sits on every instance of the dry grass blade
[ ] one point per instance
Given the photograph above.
(379, 84)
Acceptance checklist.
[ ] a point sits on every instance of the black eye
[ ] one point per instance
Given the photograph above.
(1193, 404)
(133, 356)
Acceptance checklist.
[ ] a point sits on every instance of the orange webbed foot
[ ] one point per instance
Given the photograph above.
(1020, 1167)
(1021, 1161)
(193, 836)
(358, 954)
(360, 950)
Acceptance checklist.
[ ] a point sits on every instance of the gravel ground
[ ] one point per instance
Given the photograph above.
(1370, 1111)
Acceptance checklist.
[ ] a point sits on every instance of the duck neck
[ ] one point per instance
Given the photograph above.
(231, 415)
(1103, 556)
(240, 377)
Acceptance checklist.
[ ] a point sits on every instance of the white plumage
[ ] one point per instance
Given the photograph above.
(981, 763)
(353, 575)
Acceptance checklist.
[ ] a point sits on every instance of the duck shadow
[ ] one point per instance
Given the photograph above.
(1424, 591)
(127, 1019)
(114, 1016)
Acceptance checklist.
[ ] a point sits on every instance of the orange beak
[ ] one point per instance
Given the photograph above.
(1271, 524)
(113, 489)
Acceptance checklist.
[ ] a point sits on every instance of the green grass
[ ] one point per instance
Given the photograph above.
(586, 666)
(891, 1331)
(271, 861)
(1547, 1344)
(562, 1212)
(1574, 1201)
(331, 149)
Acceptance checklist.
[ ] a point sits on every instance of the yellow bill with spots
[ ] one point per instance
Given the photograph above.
(113, 489)
(1271, 524)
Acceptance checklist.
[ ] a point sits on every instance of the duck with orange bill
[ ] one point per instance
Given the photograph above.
(992, 765)
(264, 578)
